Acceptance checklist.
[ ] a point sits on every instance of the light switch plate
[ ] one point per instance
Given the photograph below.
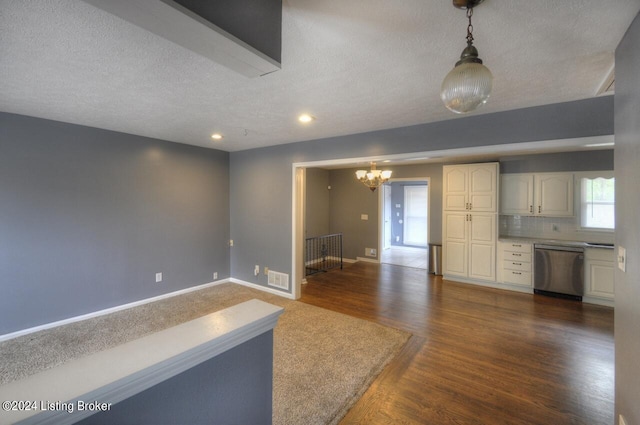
(622, 259)
(364, 216)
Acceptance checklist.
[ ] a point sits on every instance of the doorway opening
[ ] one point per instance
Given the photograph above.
(405, 223)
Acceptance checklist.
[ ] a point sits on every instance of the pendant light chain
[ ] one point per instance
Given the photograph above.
(470, 26)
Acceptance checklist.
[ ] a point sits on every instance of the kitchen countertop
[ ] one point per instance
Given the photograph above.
(578, 244)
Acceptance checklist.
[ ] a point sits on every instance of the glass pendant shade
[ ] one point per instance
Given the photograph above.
(466, 87)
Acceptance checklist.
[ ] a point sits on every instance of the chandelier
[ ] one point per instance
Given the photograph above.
(468, 85)
(374, 178)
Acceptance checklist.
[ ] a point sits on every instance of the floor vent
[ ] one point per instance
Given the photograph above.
(279, 280)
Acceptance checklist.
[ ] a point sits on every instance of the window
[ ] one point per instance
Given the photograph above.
(597, 200)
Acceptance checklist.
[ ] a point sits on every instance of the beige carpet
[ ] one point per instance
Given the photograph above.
(323, 361)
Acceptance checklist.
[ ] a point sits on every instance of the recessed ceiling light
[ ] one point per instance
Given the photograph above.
(216, 136)
(305, 118)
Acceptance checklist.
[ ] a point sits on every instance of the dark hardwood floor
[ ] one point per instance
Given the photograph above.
(477, 355)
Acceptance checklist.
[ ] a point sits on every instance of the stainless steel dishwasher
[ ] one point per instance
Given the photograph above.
(559, 271)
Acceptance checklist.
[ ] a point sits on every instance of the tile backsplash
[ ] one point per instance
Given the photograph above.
(560, 228)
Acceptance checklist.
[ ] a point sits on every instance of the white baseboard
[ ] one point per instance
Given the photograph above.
(367, 260)
(109, 310)
(261, 288)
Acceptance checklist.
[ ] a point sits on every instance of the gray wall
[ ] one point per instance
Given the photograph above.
(316, 211)
(261, 219)
(627, 171)
(566, 161)
(349, 200)
(88, 216)
(234, 387)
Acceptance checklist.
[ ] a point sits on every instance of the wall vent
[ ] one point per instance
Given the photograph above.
(279, 280)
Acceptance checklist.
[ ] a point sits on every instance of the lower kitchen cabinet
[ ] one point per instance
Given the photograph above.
(470, 245)
(515, 263)
(598, 276)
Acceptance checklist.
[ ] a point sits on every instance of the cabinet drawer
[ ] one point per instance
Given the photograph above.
(517, 278)
(517, 247)
(521, 266)
(517, 256)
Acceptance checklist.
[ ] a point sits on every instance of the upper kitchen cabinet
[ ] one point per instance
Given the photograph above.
(544, 194)
(470, 187)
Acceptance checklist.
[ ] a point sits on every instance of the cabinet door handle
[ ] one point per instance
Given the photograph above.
(517, 273)
(516, 255)
(517, 264)
(517, 245)
(470, 206)
(466, 206)
(531, 208)
(539, 209)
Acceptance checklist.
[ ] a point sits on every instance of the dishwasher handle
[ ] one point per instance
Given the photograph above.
(559, 248)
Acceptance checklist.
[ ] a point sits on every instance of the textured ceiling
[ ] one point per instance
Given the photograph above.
(355, 65)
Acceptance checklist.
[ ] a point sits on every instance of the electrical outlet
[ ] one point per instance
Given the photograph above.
(370, 252)
(364, 216)
(158, 277)
(256, 270)
(622, 259)
(266, 271)
(230, 242)
(215, 275)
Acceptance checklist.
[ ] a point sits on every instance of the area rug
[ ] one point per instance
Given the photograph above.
(323, 361)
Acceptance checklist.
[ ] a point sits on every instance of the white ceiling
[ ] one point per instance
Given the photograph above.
(355, 65)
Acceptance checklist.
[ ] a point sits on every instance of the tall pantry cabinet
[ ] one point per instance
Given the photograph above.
(470, 206)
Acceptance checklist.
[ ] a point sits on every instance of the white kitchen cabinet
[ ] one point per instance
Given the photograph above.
(544, 194)
(470, 187)
(470, 245)
(554, 194)
(516, 194)
(598, 277)
(515, 263)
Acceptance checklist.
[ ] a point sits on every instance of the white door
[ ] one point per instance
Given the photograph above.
(386, 222)
(415, 215)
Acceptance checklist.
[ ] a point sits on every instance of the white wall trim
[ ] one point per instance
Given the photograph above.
(109, 310)
(262, 288)
(367, 260)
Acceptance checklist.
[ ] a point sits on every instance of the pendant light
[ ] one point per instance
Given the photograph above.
(468, 85)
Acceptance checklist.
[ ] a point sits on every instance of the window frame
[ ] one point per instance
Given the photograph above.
(605, 174)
